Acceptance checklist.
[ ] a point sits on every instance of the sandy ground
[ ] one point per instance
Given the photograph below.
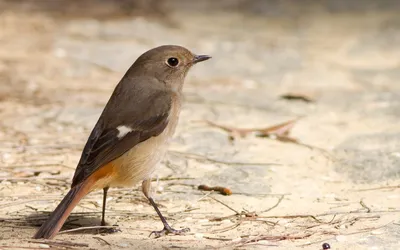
(59, 65)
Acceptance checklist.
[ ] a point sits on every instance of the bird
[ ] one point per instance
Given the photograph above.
(131, 135)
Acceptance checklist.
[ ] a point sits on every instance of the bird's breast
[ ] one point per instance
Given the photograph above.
(140, 162)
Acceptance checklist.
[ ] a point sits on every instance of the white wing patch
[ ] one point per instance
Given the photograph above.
(123, 130)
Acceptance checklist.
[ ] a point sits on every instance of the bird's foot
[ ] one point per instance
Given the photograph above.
(110, 230)
(169, 230)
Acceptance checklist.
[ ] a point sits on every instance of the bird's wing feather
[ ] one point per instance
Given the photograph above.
(137, 110)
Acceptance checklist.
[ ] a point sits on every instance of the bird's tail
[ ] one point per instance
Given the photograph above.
(53, 224)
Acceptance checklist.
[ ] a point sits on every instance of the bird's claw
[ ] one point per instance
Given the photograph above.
(169, 230)
(111, 230)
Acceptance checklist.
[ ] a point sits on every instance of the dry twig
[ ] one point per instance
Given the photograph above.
(377, 188)
(207, 159)
(352, 233)
(365, 206)
(227, 206)
(86, 228)
(274, 206)
(102, 240)
(297, 96)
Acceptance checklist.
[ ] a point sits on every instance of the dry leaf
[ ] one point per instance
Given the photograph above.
(221, 190)
(278, 132)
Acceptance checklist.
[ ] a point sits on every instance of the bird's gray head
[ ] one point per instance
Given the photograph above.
(168, 63)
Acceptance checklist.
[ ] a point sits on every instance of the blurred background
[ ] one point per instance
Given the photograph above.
(335, 62)
(277, 45)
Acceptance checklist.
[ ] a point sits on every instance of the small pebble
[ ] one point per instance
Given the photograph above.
(123, 245)
(188, 219)
(204, 221)
(44, 246)
(283, 222)
(263, 242)
(199, 236)
(326, 246)
(226, 221)
(376, 232)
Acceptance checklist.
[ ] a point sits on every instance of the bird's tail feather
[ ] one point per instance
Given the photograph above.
(56, 220)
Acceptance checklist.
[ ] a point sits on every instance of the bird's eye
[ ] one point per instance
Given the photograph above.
(173, 61)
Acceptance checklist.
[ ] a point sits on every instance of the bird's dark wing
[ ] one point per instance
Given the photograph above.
(137, 110)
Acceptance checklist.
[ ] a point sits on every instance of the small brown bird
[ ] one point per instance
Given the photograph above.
(131, 135)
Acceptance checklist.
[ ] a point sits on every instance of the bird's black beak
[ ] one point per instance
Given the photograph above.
(200, 58)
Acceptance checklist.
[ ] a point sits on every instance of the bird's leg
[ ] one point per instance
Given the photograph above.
(167, 228)
(103, 215)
